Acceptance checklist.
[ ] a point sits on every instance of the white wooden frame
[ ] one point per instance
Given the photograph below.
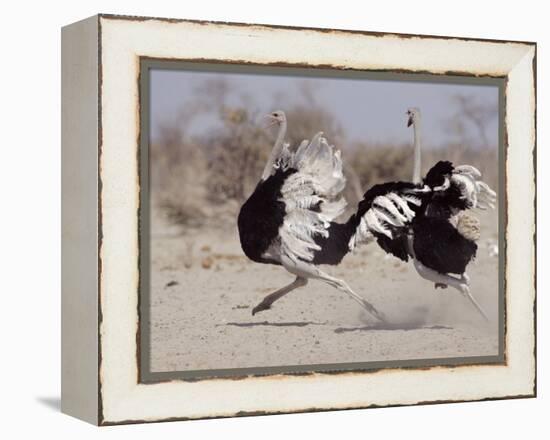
(101, 59)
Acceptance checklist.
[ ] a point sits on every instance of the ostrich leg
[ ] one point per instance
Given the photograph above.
(306, 270)
(344, 287)
(459, 284)
(464, 278)
(272, 297)
(465, 290)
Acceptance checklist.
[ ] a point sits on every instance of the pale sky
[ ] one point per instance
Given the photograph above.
(368, 110)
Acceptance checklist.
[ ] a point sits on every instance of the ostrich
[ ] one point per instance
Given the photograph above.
(288, 219)
(426, 220)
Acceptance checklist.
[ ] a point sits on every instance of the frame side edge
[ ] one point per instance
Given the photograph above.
(79, 224)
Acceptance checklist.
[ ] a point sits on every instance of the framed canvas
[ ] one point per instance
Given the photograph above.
(264, 219)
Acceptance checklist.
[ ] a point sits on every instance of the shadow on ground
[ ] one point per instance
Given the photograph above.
(388, 326)
(274, 324)
(52, 403)
(372, 327)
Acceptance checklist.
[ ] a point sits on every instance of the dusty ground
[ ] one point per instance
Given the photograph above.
(203, 289)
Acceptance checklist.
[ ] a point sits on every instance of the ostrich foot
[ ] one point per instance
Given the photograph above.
(440, 286)
(260, 308)
(271, 298)
(375, 312)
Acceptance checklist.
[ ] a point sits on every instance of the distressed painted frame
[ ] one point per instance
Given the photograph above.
(101, 318)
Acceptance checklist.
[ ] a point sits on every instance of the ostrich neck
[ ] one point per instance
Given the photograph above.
(275, 152)
(417, 153)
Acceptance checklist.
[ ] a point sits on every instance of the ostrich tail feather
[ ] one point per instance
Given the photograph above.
(469, 226)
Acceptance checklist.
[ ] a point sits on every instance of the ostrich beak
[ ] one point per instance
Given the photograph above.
(410, 121)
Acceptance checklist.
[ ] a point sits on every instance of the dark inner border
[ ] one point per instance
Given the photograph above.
(145, 375)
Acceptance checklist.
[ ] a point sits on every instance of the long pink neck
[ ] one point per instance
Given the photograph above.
(275, 152)
(417, 151)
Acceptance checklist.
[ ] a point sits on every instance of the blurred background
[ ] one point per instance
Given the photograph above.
(208, 141)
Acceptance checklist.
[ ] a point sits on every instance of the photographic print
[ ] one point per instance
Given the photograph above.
(308, 220)
(267, 219)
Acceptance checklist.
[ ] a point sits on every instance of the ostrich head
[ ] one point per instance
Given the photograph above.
(276, 118)
(413, 116)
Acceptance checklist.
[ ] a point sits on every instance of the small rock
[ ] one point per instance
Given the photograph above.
(207, 262)
(171, 283)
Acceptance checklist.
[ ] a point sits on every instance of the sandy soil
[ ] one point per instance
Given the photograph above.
(203, 289)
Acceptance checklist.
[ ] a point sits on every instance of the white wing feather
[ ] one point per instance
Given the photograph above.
(474, 190)
(312, 196)
(387, 212)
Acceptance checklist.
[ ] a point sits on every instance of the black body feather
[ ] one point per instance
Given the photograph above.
(334, 247)
(261, 216)
(396, 246)
(436, 174)
(439, 246)
(437, 243)
(443, 204)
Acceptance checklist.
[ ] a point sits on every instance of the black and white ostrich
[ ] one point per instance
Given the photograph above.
(288, 219)
(427, 220)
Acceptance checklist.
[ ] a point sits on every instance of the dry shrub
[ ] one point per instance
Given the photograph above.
(236, 156)
(177, 177)
(381, 163)
(306, 121)
(178, 184)
(205, 180)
